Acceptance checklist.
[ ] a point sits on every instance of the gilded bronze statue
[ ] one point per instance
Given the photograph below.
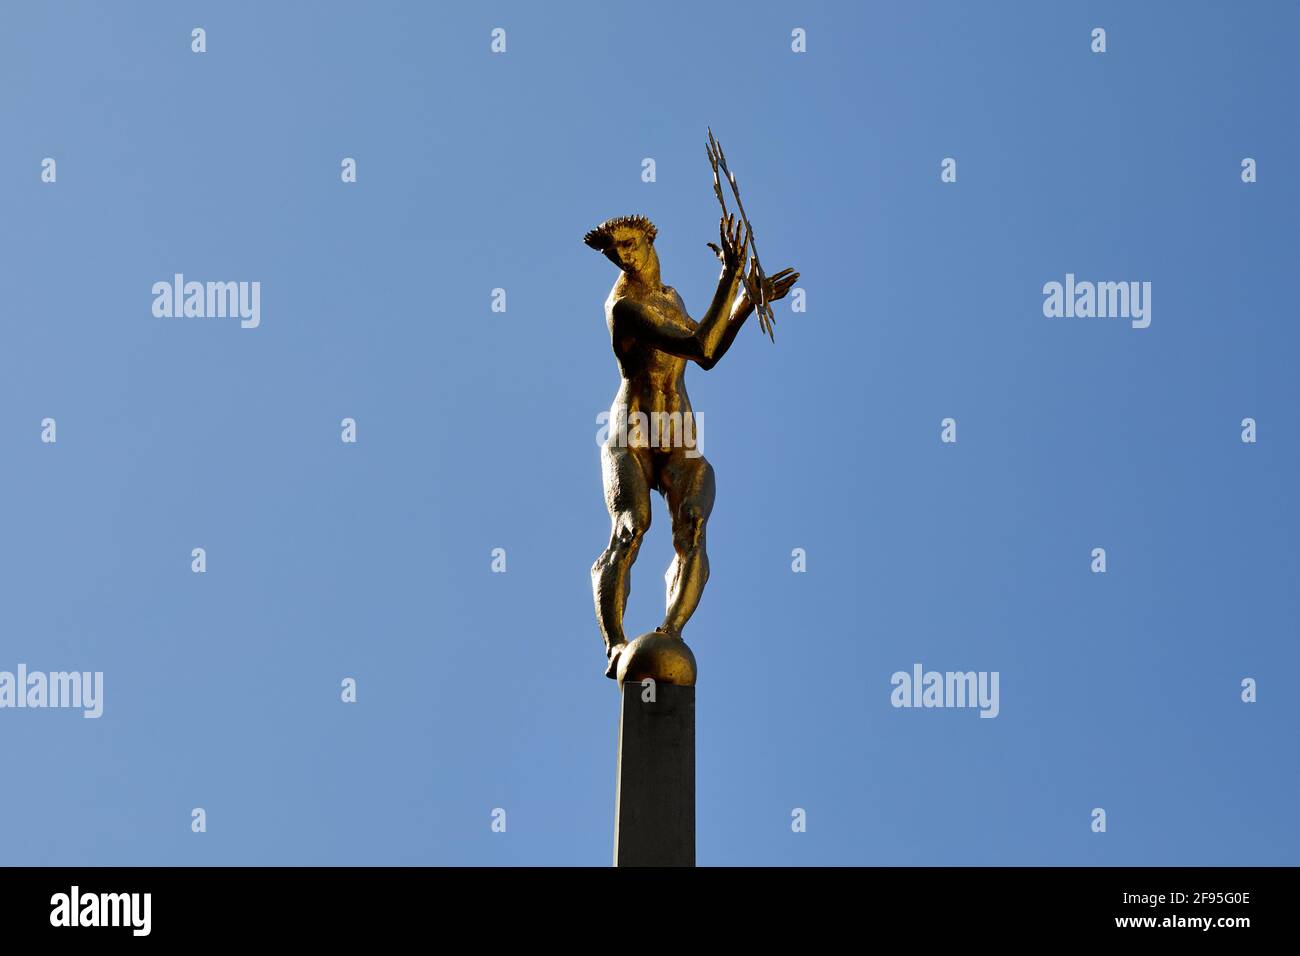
(653, 339)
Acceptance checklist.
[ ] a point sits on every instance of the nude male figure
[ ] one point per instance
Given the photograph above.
(653, 339)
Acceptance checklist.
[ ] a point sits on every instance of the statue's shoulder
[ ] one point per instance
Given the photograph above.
(622, 302)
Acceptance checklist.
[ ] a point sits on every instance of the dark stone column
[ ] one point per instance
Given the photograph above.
(654, 822)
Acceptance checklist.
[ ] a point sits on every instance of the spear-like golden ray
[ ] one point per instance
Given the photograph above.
(755, 281)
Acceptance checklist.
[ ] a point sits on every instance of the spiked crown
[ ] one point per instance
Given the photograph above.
(601, 237)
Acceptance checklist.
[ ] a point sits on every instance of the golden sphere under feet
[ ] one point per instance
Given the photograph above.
(659, 656)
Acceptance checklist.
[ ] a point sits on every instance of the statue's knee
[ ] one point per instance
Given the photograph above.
(627, 538)
(628, 535)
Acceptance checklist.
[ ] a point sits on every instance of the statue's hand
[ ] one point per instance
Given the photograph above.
(775, 287)
(734, 237)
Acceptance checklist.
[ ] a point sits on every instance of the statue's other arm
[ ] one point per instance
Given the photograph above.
(704, 346)
(714, 335)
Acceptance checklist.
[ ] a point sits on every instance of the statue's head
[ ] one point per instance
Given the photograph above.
(627, 241)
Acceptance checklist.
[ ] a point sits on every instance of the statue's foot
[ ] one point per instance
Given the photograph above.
(669, 631)
(613, 652)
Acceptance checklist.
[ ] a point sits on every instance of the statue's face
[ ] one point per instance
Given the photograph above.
(630, 250)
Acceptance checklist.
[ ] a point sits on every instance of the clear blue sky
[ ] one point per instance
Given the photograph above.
(477, 429)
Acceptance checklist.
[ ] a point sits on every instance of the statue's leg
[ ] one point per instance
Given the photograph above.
(627, 496)
(688, 487)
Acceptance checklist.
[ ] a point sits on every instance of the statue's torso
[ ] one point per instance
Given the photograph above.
(653, 381)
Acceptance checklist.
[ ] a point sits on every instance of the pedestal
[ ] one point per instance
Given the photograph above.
(654, 822)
